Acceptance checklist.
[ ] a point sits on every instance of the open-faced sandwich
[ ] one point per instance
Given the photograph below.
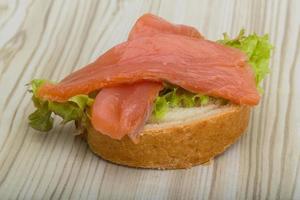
(165, 98)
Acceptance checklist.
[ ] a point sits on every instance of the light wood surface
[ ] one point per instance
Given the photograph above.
(49, 39)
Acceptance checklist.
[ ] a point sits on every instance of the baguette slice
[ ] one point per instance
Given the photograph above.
(186, 137)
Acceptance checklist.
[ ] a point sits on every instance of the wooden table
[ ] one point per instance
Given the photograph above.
(49, 39)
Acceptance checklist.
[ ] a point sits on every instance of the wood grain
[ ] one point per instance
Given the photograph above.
(51, 38)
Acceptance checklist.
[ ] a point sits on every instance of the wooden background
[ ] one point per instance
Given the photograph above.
(50, 38)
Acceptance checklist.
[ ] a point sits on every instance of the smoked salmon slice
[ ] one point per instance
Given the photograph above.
(199, 66)
(149, 25)
(124, 110)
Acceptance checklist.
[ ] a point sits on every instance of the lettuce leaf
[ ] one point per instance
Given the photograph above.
(172, 97)
(160, 108)
(73, 109)
(257, 48)
(41, 118)
(82, 101)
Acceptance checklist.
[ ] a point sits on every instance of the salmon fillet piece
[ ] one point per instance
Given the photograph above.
(149, 25)
(123, 110)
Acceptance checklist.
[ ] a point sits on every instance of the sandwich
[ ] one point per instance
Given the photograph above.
(166, 98)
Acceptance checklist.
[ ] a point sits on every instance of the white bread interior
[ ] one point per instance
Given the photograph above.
(186, 115)
(184, 138)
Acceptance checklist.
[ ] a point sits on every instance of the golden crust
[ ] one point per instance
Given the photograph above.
(178, 146)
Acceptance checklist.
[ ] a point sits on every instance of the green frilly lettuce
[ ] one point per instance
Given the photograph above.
(172, 97)
(258, 50)
(73, 109)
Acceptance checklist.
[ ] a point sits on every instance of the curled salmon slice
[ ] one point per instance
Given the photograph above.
(123, 110)
(149, 25)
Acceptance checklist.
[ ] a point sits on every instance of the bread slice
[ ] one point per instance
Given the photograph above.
(186, 137)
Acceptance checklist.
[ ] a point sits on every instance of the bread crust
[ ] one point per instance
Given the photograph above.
(179, 146)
